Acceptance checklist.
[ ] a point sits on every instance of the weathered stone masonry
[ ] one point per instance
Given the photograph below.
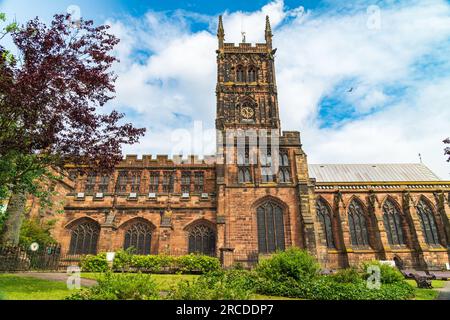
(235, 209)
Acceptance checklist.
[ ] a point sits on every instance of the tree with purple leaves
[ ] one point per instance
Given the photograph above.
(50, 96)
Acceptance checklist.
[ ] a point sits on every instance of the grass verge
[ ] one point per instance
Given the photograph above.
(26, 288)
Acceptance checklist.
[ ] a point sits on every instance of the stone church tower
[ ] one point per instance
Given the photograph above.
(264, 194)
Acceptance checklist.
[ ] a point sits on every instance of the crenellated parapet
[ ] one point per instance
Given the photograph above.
(290, 138)
(246, 48)
(162, 160)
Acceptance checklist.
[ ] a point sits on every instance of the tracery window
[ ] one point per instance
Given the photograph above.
(358, 224)
(168, 182)
(325, 218)
(185, 182)
(252, 74)
(135, 181)
(267, 174)
(84, 238)
(202, 239)
(139, 237)
(240, 77)
(90, 182)
(154, 182)
(393, 222)
(199, 181)
(122, 181)
(270, 228)
(428, 222)
(284, 173)
(243, 162)
(103, 183)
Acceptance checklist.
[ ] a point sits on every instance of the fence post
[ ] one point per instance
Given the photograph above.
(226, 257)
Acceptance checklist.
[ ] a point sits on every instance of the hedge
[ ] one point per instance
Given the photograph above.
(126, 262)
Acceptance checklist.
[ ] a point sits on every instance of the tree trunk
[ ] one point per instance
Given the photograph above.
(13, 223)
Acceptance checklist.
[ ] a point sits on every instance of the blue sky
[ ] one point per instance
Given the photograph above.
(361, 83)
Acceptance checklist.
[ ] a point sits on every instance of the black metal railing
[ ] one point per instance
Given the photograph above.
(51, 258)
(22, 258)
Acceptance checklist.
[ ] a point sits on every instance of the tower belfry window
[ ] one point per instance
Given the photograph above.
(240, 76)
(252, 74)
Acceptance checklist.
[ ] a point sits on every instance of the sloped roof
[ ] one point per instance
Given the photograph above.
(371, 172)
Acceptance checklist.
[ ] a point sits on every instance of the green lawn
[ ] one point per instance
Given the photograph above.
(27, 288)
(427, 294)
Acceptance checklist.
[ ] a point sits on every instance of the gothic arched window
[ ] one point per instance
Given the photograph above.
(84, 238)
(284, 171)
(243, 162)
(267, 174)
(358, 224)
(202, 239)
(244, 175)
(252, 74)
(139, 237)
(325, 218)
(122, 181)
(240, 77)
(393, 222)
(428, 222)
(270, 228)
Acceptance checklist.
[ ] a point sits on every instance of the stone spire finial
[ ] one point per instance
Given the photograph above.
(268, 33)
(220, 33)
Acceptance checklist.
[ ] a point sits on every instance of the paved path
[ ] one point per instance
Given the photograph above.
(444, 293)
(62, 277)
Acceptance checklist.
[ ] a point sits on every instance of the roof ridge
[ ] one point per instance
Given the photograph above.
(371, 172)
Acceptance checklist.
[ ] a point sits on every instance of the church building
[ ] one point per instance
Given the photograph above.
(236, 206)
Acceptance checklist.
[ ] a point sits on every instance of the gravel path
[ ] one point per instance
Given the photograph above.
(62, 277)
(444, 293)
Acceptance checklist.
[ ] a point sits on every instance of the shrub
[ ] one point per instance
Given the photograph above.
(293, 263)
(388, 274)
(97, 263)
(326, 288)
(219, 285)
(294, 273)
(153, 263)
(33, 230)
(120, 287)
(197, 263)
(123, 260)
(286, 288)
(349, 275)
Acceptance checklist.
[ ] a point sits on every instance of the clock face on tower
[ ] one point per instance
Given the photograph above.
(247, 112)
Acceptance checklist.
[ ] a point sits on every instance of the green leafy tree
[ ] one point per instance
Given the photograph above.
(34, 230)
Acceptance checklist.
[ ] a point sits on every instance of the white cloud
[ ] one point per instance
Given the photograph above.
(317, 50)
(167, 76)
